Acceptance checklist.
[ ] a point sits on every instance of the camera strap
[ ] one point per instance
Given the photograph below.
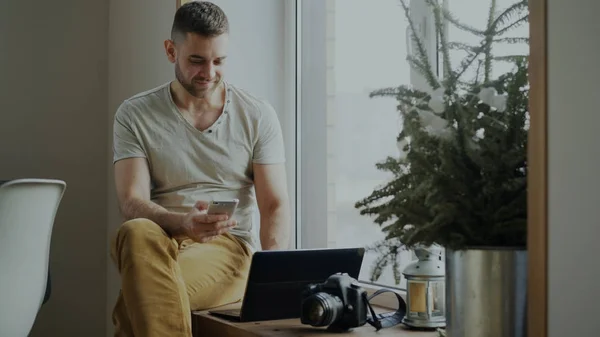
(388, 319)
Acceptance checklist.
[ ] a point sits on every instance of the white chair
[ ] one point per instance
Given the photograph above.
(27, 211)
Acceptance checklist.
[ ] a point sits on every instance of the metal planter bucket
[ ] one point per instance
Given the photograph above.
(486, 292)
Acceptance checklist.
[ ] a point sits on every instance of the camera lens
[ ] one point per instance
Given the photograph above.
(321, 309)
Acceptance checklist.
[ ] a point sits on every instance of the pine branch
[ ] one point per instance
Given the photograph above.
(514, 25)
(508, 14)
(422, 68)
(395, 261)
(378, 267)
(453, 20)
(385, 92)
(462, 46)
(477, 72)
(512, 40)
(466, 63)
(489, 36)
(511, 58)
(422, 51)
(404, 94)
(388, 254)
(439, 27)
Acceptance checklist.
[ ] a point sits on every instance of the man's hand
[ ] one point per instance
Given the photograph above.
(202, 227)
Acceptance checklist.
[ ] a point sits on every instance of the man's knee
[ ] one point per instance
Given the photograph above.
(136, 234)
(140, 228)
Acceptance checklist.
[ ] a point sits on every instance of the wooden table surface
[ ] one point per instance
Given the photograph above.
(207, 325)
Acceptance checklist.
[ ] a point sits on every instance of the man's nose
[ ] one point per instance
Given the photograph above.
(209, 71)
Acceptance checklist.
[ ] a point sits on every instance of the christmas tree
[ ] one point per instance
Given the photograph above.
(461, 180)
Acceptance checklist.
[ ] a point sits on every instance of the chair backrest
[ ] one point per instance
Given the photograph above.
(27, 211)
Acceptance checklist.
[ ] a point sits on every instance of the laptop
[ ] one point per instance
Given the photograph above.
(277, 279)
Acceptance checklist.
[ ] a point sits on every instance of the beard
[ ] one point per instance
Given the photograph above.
(189, 85)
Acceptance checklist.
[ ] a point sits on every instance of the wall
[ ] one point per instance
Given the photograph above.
(574, 163)
(137, 62)
(53, 65)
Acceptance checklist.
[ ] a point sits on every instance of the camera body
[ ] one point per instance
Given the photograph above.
(338, 303)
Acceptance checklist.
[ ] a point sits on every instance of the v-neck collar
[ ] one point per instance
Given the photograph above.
(214, 126)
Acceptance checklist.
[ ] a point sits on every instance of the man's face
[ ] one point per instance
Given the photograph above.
(198, 62)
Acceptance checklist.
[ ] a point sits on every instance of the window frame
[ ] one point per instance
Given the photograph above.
(312, 207)
(290, 118)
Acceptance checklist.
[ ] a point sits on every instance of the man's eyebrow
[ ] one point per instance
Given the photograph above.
(202, 57)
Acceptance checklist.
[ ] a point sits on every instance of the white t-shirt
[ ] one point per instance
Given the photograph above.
(187, 165)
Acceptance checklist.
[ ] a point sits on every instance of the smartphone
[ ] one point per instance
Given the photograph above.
(227, 207)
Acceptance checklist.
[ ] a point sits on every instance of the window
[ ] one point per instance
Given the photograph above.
(346, 49)
(349, 48)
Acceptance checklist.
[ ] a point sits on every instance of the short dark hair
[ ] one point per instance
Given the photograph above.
(200, 17)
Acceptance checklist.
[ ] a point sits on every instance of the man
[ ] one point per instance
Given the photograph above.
(176, 147)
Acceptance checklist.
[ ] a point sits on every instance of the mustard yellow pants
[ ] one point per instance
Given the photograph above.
(163, 279)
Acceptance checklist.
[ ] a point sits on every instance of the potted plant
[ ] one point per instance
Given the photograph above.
(461, 179)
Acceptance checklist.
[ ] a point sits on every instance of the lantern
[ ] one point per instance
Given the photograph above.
(425, 289)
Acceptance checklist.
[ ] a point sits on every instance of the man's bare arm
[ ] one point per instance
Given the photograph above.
(273, 204)
(132, 178)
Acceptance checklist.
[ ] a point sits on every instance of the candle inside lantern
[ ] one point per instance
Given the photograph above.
(418, 297)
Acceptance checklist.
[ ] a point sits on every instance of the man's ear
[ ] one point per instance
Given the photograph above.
(170, 50)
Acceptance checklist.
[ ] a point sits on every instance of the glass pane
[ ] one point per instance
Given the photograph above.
(437, 298)
(367, 50)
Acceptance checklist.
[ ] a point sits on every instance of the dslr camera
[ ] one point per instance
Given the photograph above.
(338, 303)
